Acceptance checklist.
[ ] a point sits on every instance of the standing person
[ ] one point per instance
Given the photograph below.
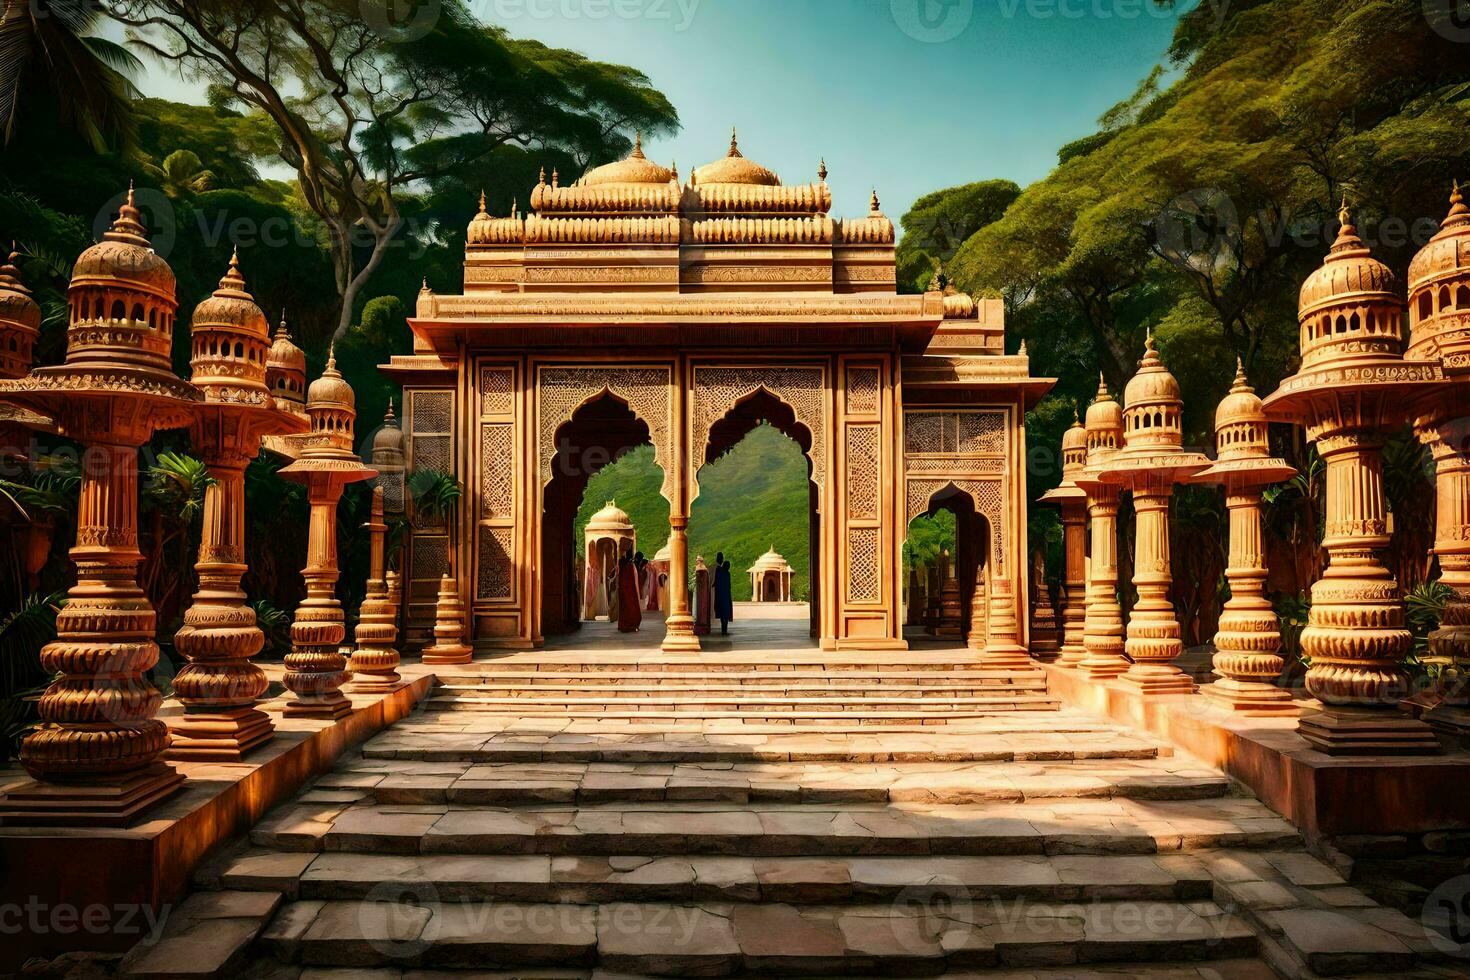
(724, 600)
(630, 608)
(703, 596)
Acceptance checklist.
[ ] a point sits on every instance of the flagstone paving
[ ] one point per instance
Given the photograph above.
(480, 838)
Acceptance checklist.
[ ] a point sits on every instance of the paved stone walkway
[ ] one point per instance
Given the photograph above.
(497, 833)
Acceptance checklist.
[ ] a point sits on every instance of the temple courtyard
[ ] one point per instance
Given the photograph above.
(529, 750)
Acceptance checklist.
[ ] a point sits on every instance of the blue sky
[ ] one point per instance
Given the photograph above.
(905, 95)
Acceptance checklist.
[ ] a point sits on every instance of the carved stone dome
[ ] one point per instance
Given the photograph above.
(20, 322)
(735, 169)
(1350, 307)
(285, 370)
(122, 302)
(1439, 291)
(1241, 426)
(1152, 407)
(1075, 438)
(770, 561)
(331, 390)
(610, 518)
(126, 255)
(230, 337)
(1104, 425)
(389, 438)
(635, 169)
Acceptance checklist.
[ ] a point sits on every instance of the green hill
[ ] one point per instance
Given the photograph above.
(750, 499)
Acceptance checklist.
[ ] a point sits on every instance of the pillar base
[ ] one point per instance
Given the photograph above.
(1103, 667)
(1005, 657)
(109, 802)
(375, 683)
(329, 706)
(223, 736)
(1071, 657)
(1451, 722)
(1250, 699)
(681, 643)
(450, 655)
(1156, 680)
(1367, 731)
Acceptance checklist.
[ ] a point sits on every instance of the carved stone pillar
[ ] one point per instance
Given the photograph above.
(979, 612)
(1248, 642)
(96, 755)
(1044, 639)
(375, 661)
(1003, 648)
(1449, 645)
(449, 648)
(219, 685)
(679, 636)
(315, 667)
(1153, 642)
(1102, 637)
(951, 613)
(1355, 635)
(1074, 587)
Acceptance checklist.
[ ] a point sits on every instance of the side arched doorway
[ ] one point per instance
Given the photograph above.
(758, 408)
(598, 433)
(971, 561)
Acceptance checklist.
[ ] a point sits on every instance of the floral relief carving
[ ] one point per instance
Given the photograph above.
(718, 389)
(645, 390)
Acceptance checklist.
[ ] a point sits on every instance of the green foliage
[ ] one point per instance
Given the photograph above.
(22, 678)
(1424, 607)
(55, 66)
(753, 498)
(928, 537)
(940, 222)
(1292, 611)
(176, 485)
(434, 493)
(50, 488)
(275, 623)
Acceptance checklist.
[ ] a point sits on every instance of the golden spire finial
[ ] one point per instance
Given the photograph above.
(1241, 384)
(734, 141)
(515, 207)
(1344, 213)
(555, 176)
(233, 280)
(638, 144)
(543, 177)
(1347, 232)
(482, 200)
(674, 171)
(425, 287)
(129, 224)
(876, 207)
(1076, 418)
(1022, 352)
(282, 332)
(390, 416)
(331, 367)
(1103, 395)
(1459, 213)
(822, 170)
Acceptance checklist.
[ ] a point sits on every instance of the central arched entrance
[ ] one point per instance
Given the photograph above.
(761, 433)
(599, 433)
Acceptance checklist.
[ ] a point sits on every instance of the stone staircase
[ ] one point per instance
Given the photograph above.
(806, 691)
(609, 822)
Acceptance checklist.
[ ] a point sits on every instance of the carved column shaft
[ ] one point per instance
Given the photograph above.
(680, 624)
(1103, 629)
(1153, 628)
(1248, 641)
(219, 686)
(1355, 635)
(100, 704)
(375, 661)
(1450, 643)
(315, 667)
(1074, 588)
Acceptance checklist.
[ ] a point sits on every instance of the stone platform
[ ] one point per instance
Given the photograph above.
(508, 830)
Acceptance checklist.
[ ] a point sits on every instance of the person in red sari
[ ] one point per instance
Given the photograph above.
(630, 609)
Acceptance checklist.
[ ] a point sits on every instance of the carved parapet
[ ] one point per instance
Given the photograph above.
(819, 230)
(652, 230)
(804, 199)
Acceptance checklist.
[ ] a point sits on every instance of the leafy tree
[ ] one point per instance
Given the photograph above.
(52, 61)
(376, 104)
(940, 222)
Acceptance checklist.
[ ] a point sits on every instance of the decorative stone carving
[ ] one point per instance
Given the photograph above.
(1102, 631)
(449, 648)
(802, 389)
(645, 390)
(375, 661)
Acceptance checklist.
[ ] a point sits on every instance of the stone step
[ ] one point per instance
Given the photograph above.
(685, 878)
(779, 830)
(710, 689)
(857, 679)
(812, 711)
(653, 664)
(718, 939)
(510, 784)
(606, 743)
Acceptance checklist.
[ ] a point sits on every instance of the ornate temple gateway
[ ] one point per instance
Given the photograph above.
(632, 307)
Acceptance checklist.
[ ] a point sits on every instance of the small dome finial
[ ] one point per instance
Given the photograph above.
(734, 141)
(638, 144)
(555, 176)
(331, 358)
(875, 206)
(542, 179)
(1102, 389)
(482, 200)
(822, 170)
(1241, 384)
(515, 207)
